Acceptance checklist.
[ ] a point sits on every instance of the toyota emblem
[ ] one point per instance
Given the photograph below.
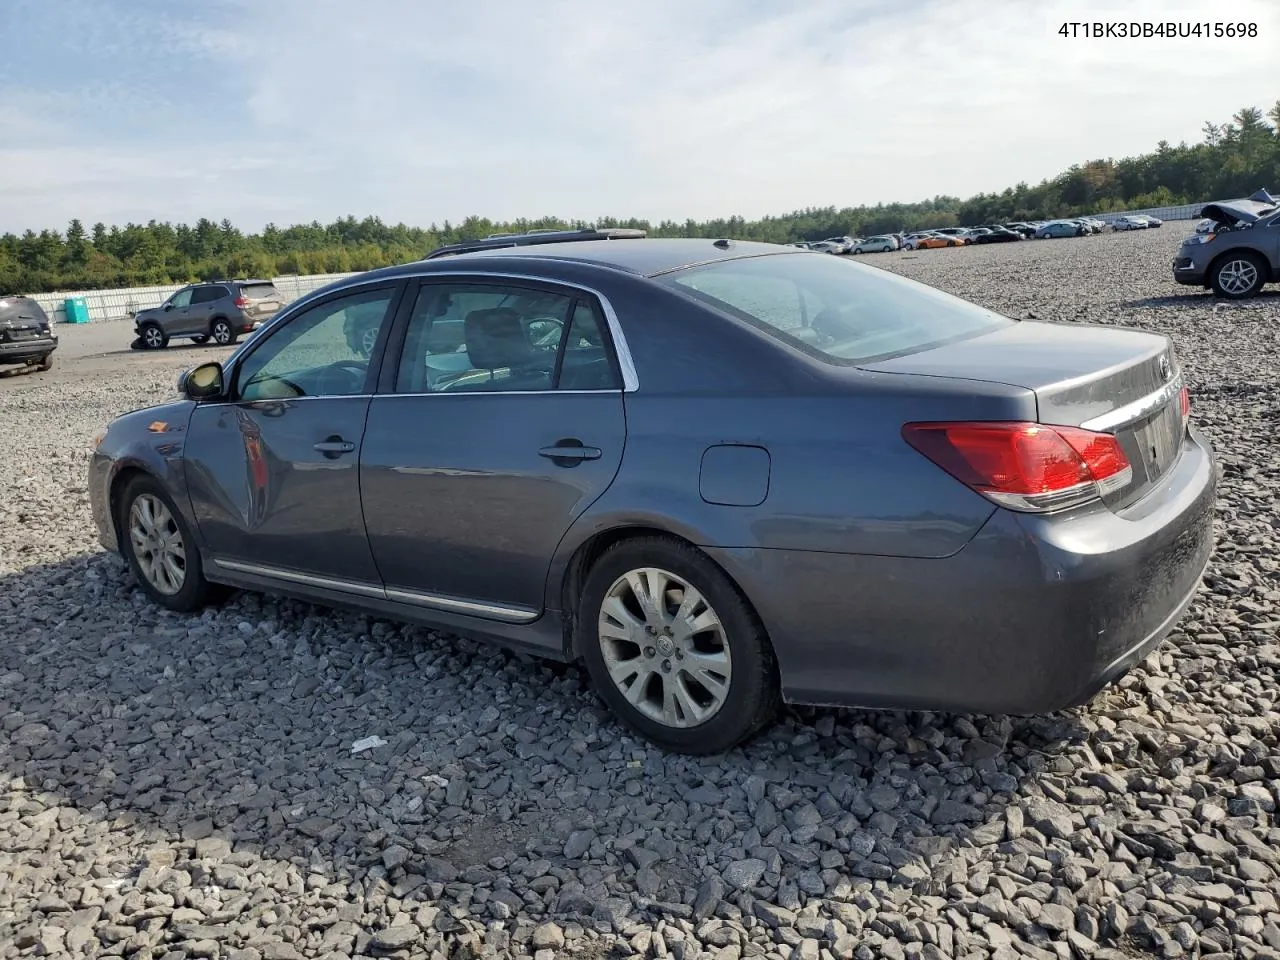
(1166, 371)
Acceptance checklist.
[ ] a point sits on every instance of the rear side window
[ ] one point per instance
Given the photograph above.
(838, 311)
(260, 291)
(208, 294)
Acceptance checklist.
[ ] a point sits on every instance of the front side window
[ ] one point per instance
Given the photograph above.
(486, 338)
(313, 354)
(182, 298)
(839, 311)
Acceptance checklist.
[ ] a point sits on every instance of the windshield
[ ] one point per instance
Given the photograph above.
(838, 311)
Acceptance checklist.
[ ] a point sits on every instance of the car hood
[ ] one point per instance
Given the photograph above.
(1250, 210)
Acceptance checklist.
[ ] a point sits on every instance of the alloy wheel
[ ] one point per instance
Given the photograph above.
(222, 332)
(1238, 276)
(153, 337)
(665, 647)
(157, 544)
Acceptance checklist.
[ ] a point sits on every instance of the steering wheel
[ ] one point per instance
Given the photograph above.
(353, 369)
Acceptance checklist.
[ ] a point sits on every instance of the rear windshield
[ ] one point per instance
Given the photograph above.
(21, 308)
(259, 291)
(838, 311)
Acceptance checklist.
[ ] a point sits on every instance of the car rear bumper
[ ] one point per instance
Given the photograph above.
(20, 351)
(1033, 615)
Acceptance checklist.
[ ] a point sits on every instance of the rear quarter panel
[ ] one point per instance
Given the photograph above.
(841, 479)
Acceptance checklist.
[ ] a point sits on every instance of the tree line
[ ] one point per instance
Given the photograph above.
(1233, 159)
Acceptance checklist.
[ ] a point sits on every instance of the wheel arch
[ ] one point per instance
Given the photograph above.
(569, 581)
(1246, 252)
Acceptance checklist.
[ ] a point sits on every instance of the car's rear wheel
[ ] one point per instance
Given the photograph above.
(153, 338)
(46, 362)
(222, 332)
(674, 649)
(159, 547)
(1238, 275)
(200, 338)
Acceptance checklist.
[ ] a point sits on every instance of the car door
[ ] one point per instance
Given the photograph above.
(500, 424)
(273, 471)
(176, 311)
(199, 313)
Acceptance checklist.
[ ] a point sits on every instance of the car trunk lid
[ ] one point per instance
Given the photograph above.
(1124, 382)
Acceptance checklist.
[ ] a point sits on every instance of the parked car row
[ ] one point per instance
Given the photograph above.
(984, 233)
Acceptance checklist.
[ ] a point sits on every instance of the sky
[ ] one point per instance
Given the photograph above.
(289, 111)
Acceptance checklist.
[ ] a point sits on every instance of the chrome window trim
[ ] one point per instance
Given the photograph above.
(626, 363)
(1132, 412)
(417, 598)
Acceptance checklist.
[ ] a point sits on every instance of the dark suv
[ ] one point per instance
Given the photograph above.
(1239, 254)
(25, 336)
(220, 311)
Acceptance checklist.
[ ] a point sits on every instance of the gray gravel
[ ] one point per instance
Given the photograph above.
(186, 786)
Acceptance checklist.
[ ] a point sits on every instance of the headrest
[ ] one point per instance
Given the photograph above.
(497, 338)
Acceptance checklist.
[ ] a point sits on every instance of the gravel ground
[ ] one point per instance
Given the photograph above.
(187, 786)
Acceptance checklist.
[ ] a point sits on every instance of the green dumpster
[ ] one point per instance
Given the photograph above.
(77, 310)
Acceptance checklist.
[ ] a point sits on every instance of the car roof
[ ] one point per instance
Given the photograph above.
(645, 257)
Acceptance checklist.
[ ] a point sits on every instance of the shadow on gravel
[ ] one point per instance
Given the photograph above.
(1201, 298)
(239, 724)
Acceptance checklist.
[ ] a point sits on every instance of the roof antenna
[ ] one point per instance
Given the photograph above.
(722, 244)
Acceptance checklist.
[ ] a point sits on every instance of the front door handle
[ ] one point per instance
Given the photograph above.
(569, 452)
(334, 447)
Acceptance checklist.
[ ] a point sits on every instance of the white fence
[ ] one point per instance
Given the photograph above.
(1183, 211)
(125, 302)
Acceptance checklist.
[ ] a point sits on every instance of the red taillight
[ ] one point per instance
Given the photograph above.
(1025, 466)
(1184, 402)
(242, 301)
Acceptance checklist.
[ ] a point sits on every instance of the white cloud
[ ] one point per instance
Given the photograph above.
(420, 112)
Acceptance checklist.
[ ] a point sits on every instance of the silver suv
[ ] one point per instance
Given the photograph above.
(1239, 254)
(220, 311)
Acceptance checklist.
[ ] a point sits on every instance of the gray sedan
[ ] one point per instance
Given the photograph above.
(721, 475)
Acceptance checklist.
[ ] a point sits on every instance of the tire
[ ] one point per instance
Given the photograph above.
(855, 251)
(46, 362)
(194, 591)
(153, 337)
(1238, 275)
(223, 334)
(736, 711)
(200, 338)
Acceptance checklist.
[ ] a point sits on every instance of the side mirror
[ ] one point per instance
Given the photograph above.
(204, 382)
(168, 307)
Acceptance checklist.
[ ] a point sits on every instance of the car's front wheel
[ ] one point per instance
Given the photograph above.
(1238, 276)
(674, 649)
(159, 547)
(222, 332)
(153, 338)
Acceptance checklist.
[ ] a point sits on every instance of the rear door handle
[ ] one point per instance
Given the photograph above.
(334, 447)
(568, 453)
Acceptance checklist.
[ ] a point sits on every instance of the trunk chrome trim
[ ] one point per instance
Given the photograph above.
(489, 611)
(1135, 411)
